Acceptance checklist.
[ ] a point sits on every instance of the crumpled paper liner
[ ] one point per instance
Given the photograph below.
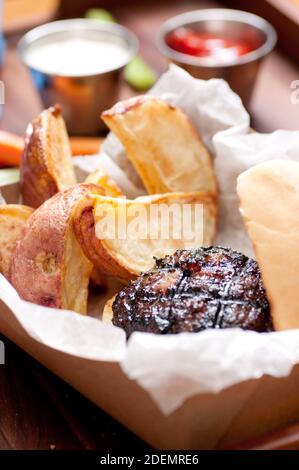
(174, 368)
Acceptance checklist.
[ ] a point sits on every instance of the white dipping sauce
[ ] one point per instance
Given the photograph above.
(77, 56)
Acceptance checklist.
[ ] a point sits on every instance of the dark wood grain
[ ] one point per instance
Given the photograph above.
(38, 410)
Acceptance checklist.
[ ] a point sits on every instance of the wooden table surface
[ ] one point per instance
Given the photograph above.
(38, 410)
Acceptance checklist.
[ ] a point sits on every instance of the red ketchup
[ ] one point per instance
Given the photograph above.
(201, 44)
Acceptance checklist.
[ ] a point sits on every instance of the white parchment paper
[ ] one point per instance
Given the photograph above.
(175, 367)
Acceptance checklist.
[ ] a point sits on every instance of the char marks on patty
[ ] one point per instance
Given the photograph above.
(193, 290)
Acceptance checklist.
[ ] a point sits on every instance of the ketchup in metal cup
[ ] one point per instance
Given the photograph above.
(203, 44)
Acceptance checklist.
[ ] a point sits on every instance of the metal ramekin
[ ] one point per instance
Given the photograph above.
(240, 73)
(83, 97)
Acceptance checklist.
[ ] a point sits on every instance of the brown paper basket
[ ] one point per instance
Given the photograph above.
(206, 421)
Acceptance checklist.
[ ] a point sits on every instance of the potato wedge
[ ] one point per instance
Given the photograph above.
(110, 187)
(46, 165)
(13, 219)
(99, 226)
(269, 195)
(108, 312)
(98, 280)
(163, 146)
(48, 265)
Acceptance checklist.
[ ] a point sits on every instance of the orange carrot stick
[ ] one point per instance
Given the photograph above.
(85, 145)
(11, 147)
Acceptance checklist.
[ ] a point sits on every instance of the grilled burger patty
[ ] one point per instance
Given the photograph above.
(193, 290)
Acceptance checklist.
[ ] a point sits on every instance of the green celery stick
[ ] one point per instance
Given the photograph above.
(139, 75)
(100, 14)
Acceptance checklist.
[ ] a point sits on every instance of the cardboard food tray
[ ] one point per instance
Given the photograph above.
(207, 421)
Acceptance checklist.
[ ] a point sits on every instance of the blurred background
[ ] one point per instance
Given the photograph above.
(270, 105)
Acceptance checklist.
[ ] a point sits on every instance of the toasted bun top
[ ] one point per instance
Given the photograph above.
(269, 196)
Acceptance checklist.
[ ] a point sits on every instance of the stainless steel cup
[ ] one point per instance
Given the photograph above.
(240, 73)
(81, 97)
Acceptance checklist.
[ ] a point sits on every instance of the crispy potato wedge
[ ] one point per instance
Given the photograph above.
(163, 146)
(269, 199)
(46, 165)
(99, 226)
(13, 219)
(108, 312)
(48, 265)
(110, 187)
(98, 280)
